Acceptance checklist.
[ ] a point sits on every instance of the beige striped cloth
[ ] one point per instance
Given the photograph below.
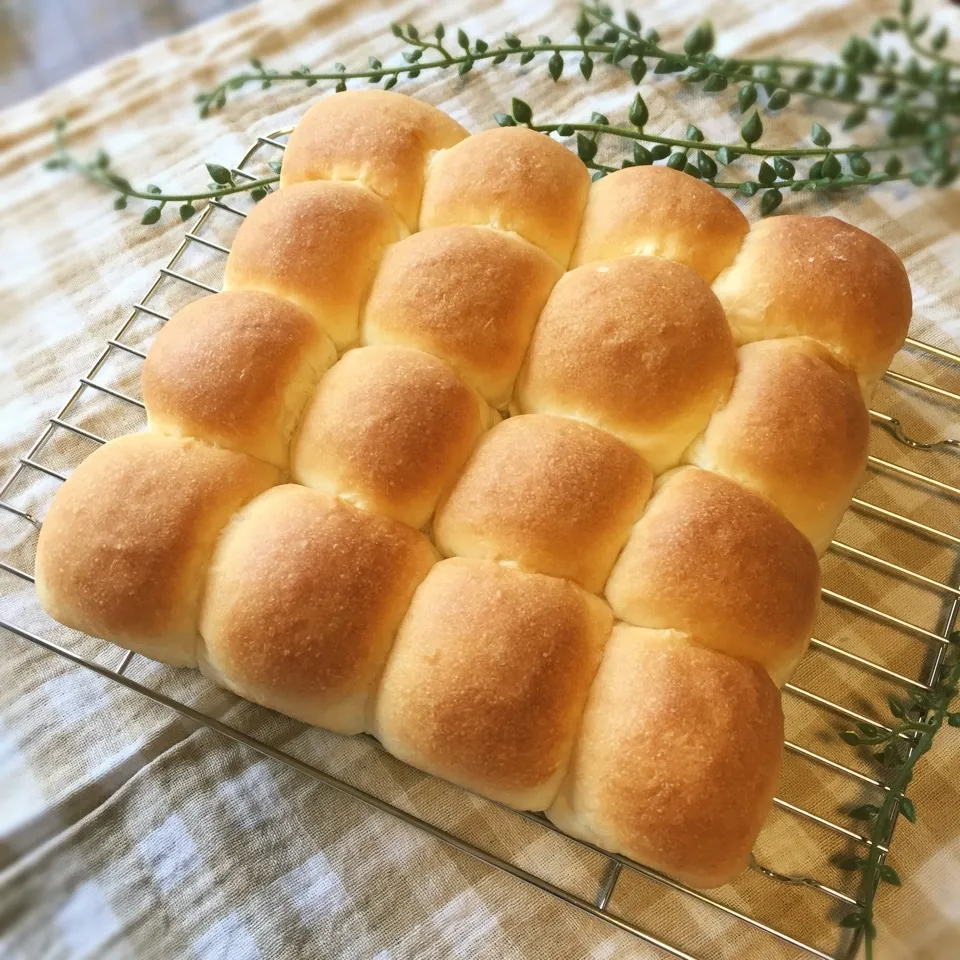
(127, 831)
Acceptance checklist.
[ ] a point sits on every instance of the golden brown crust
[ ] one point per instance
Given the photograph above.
(513, 179)
(388, 429)
(304, 597)
(316, 244)
(124, 549)
(380, 138)
(470, 295)
(235, 370)
(488, 676)
(795, 429)
(656, 211)
(677, 759)
(822, 278)
(638, 346)
(722, 564)
(550, 494)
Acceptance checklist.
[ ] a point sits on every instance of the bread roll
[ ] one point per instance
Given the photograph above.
(488, 677)
(638, 346)
(303, 601)
(470, 295)
(511, 178)
(388, 429)
(722, 564)
(317, 245)
(381, 139)
(235, 370)
(818, 277)
(795, 429)
(549, 494)
(657, 211)
(124, 549)
(677, 759)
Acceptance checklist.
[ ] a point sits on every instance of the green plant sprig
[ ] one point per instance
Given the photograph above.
(919, 129)
(98, 170)
(913, 28)
(920, 717)
(777, 172)
(841, 83)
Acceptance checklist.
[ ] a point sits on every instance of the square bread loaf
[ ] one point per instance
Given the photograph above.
(525, 475)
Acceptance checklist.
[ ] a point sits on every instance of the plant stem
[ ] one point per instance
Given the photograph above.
(883, 823)
(741, 147)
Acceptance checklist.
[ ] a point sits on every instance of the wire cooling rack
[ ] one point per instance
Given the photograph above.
(903, 562)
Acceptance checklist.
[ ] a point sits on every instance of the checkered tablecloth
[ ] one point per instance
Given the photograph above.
(126, 831)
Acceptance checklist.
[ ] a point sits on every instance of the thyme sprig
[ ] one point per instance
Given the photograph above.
(918, 719)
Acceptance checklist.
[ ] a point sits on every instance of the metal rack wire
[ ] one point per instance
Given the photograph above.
(898, 536)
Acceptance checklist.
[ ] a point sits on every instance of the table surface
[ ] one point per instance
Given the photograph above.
(125, 832)
(45, 41)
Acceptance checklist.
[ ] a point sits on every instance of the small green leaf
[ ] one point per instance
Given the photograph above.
(939, 40)
(639, 114)
(752, 128)
(677, 161)
(693, 133)
(867, 729)
(766, 174)
(908, 809)
(652, 36)
(803, 79)
(691, 171)
(526, 57)
(582, 27)
(510, 40)
(850, 863)
(586, 148)
(54, 163)
(481, 46)
(504, 120)
(666, 65)
(770, 200)
(641, 155)
(748, 188)
(632, 21)
(847, 736)
(866, 811)
(439, 31)
(715, 83)
(820, 135)
(897, 707)
(555, 66)
(747, 97)
(852, 921)
(153, 188)
(659, 151)
(465, 67)
(893, 166)
(565, 130)
(785, 169)
(218, 174)
(256, 63)
(706, 165)
(859, 164)
(778, 99)
(120, 203)
(954, 720)
(150, 215)
(815, 170)
(521, 110)
(854, 118)
(726, 156)
(391, 82)
(586, 66)
(258, 193)
(920, 26)
(463, 39)
(621, 49)
(187, 210)
(890, 875)
(638, 70)
(597, 175)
